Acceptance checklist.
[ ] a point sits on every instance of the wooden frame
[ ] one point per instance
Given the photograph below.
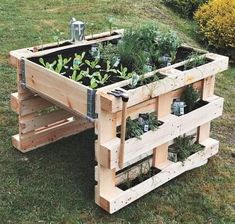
(40, 122)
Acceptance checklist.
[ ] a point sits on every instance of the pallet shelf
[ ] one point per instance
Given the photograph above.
(51, 107)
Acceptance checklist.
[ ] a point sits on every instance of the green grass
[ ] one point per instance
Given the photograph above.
(55, 183)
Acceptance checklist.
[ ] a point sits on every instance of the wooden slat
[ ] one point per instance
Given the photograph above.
(201, 115)
(28, 142)
(123, 198)
(32, 122)
(133, 112)
(16, 55)
(29, 105)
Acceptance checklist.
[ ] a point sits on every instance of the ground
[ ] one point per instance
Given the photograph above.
(55, 183)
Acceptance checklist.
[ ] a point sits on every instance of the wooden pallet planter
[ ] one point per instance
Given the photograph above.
(78, 108)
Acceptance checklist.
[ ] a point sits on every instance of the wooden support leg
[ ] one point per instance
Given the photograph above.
(208, 87)
(160, 154)
(207, 91)
(106, 130)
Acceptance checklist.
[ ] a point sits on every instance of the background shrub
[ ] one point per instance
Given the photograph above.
(186, 8)
(216, 21)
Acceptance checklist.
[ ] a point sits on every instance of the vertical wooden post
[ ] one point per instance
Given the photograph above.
(207, 91)
(106, 130)
(163, 108)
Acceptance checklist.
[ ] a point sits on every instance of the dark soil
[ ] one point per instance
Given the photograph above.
(198, 104)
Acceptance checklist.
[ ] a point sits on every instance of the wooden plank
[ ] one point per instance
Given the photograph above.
(136, 149)
(201, 115)
(65, 91)
(145, 107)
(29, 105)
(14, 102)
(30, 141)
(32, 122)
(124, 198)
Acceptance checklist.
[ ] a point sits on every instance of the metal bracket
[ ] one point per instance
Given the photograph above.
(23, 78)
(91, 115)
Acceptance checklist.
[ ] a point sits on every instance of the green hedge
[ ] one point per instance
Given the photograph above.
(186, 8)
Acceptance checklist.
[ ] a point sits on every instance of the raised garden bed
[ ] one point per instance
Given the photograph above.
(80, 101)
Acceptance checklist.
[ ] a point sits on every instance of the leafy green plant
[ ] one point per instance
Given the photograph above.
(190, 96)
(167, 43)
(186, 8)
(124, 74)
(131, 55)
(57, 65)
(185, 146)
(77, 64)
(109, 68)
(133, 129)
(93, 64)
(152, 121)
(134, 80)
(194, 60)
(109, 52)
(58, 36)
(78, 58)
(97, 78)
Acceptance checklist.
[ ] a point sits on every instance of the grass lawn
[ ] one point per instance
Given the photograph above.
(55, 183)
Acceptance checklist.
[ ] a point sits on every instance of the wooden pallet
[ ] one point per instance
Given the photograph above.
(41, 123)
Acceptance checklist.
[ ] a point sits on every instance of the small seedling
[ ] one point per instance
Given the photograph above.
(92, 25)
(77, 61)
(60, 64)
(194, 60)
(124, 74)
(58, 36)
(97, 78)
(110, 24)
(134, 80)
(93, 64)
(109, 68)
